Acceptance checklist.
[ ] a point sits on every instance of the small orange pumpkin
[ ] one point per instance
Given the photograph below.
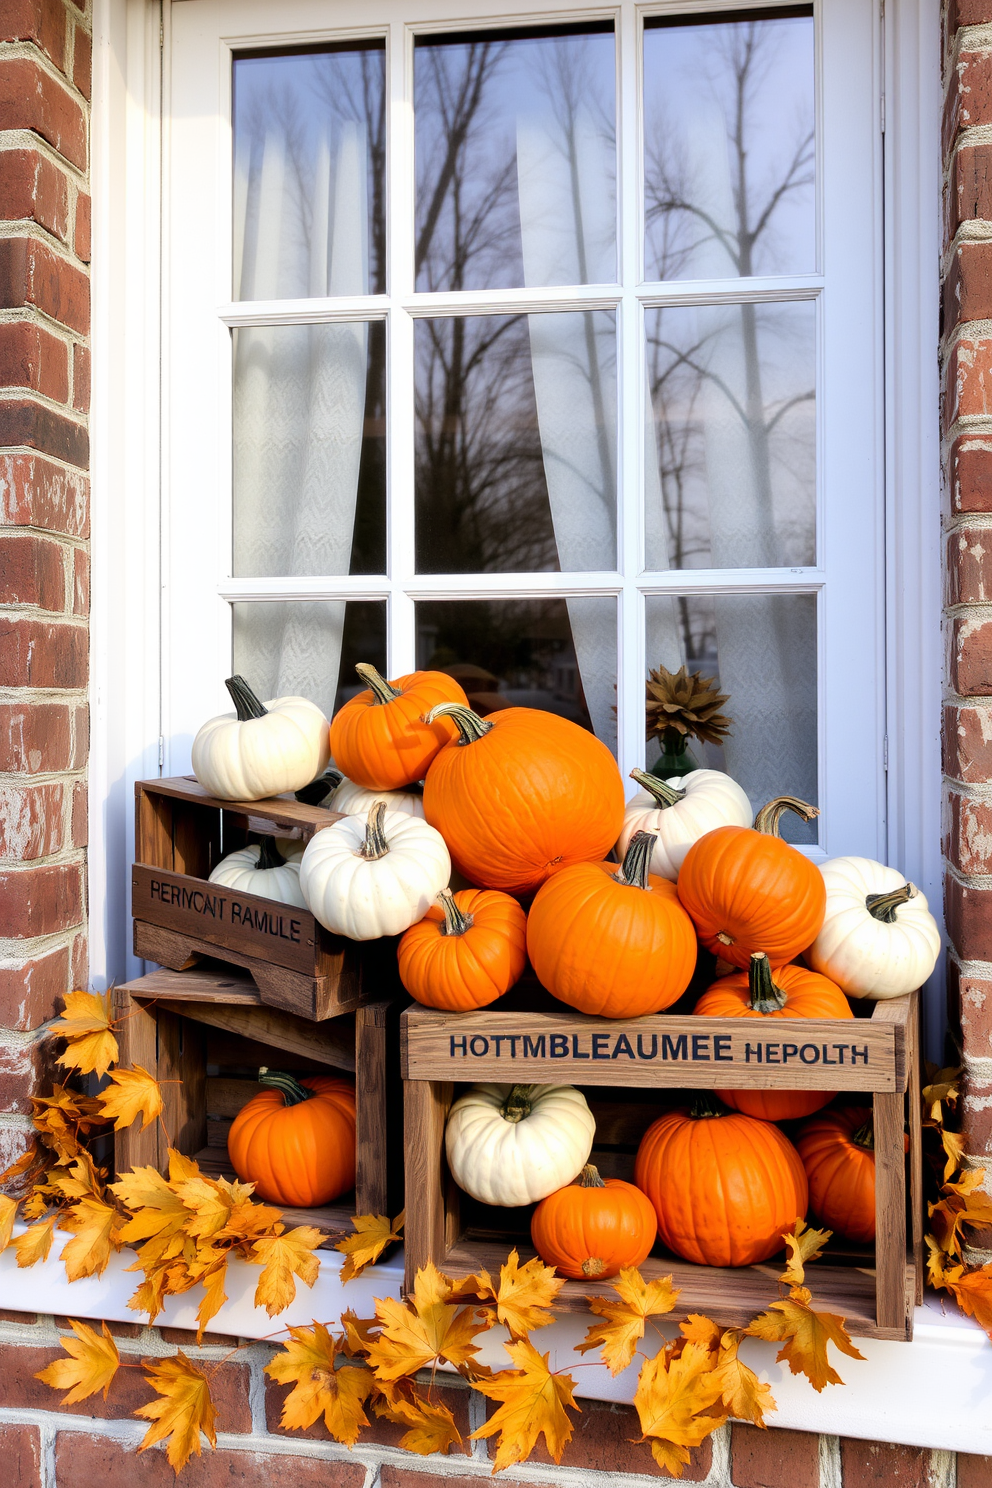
(838, 1153)
(790, 992)
(612, 940)
(592, 1228)
(380, 739)
(725, 1187)
(465, 954)
(521, 795)
(747, 890)
(296, 1140)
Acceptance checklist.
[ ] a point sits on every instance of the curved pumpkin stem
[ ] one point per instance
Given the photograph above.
(455, 923)
(589, 1177)
(293, 1092)
(318, 790)
(706, 1106)
(471, 727)
(244, 699)
(865, 1134)
(375, 845)
(768, 818)
(269, 855)
(518, 1104)
(382, 691)
(765, 996)
(637, 861)
(665, 795)
(884, 906)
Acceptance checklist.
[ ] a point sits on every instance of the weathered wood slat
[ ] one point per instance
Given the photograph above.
(282, 811)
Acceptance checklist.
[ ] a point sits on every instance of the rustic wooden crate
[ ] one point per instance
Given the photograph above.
(444, 1052)
(179, 1024)
(181, 834)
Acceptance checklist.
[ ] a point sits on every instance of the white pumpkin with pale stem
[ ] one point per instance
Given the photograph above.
(679, 811)
(259, 868)
(879, 939)
(514, 1144)
(263, 748)
(374, 877)
(335, 792)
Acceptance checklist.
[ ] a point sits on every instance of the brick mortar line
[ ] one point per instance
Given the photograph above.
(978, 881)
(972, 330)
(32, 52)
(31, 395)
(13, 780)
(967, 522)
(26, 139)
(964, 608)
(982, 969)
(966, 700)
(67, 858)
(23, 228)
(33, 316)
(973, 230)
(13, 953)
(67, 468)
(979, 791)
(975, 426)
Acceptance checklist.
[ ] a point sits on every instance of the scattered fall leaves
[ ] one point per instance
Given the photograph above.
(623, 1328)
(371, 1234)
(182, 1412)
(534, 1401)
(92, 1363)
(804, 1335)
(801, 1245)
(134, 1093)
(85, 1024)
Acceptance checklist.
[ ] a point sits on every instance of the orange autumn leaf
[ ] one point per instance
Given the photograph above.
(431, 1425)
(357, 1333)
(623, 1329)
(22, 1165)
(8, 1213)
(35, 1243)
(744, 1395)
(373, 1232)
(802, 1245)
(534, 1403)
(96, 1228)
(183, 1410)
(427, 1329)
(804, 1335)
(134, 1093)
(307, 1363)
(953, 1145)
(156, 1210)
(699, 1329)
(283, 1257)
(92, 1363)
(942, 1088)
(215, 1202)
(972, 1290)
(674, 1401)
(85, 1023)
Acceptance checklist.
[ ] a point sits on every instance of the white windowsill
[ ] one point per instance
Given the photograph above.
(933, 1392)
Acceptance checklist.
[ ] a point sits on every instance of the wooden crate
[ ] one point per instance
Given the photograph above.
(442, 1052)
(181, 834)
(206, 1031)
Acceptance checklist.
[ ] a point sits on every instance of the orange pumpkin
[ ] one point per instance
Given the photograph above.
(380, 739)
(296, 1140)
(790, 992)
(838, 1153)
(725, 1187)
(521, 795)
(612, 940)
(466, 953)
(747, 890)
(593, 1229)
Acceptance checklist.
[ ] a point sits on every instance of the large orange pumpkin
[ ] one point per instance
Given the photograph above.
(593, 1228)
(747, 890)
(612, 940)
(466, 953)
(521, 795)
(725, 1187)
(380, 739)
(296, 1140)
(838, 1153)
(790, 992)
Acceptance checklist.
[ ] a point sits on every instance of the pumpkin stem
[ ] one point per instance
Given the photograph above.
(455, 923)
(269, 855)
(665, 795)
(768, 818)
(318, 790)
(383, 691)
(293, 1092)
(471, 727)
(706, 1106)
(375, 845)
(244, 699)
(765, 996)
(589, 1177)
(884, 906)
(637, 861)
(865, 1134)
(517, 1106)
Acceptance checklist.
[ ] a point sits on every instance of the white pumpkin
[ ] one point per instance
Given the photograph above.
(367, 878)
(335, 792)
(679, 811)
(515, 1144)
(263, 748)
(259, 868)
(879, 939)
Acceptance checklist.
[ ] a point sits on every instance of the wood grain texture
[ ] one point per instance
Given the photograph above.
(322, 1043)
(225, 1097)
(425, 1109)
(200, 984)
(915, 1123)
(371, 1193)
(893, 1307)
(137, 1040)
(152, 828)
(182, 1071)
(281, 811)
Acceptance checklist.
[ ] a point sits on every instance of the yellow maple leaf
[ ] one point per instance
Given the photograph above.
(804, 1335)
(674, 1401)
(8, 1213)
(85, 1023)
(220, 1207)
(964, 1202)
(79, 1179)
(357, 1333)
(431, 1425)
(699, 1329)
(972, 1290)
(744, 1395)
(953, 1145)
(35, 1243)
(22, 1165)
(426, 1329)
(135, 1093)
(534, 1402)
(92, 1364)
(96, 1228)
(524, 1294)
(619, 1335)
(802, 1245)
(283, 1257)
(320, 1388)
(156, 1210)
(941, 1087)
(183, 1410)
(373, 1232)
(213, 1277)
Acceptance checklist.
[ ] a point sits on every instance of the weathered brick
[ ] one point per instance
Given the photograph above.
(30, 98)
(967, 743)
(186, 1338)
(119, 1330)
(79, 966)
(606, 1434)
(25, 1318)
(80, 582)
(84, 1459)
(41, 900)
(32, 571)
(82, 61)
(33, 189)
(23, 1072)
(36, 426)
(20, 1452)
(35, 492)
(870, 1464)
(29, 990)
(968, 380)
(80, 814)
(40, 21)
(31, 820)
(32, 274)
(81, 378)
(968, 100)
(399, 1477)
(973, 996)
(970, 474)
(968, 284)
(975, 1119)
(966, 13)
(968, 916)
(36, 737)
(969, 566)
(380, 1431)
(31, 357)
(974, 1471)
(971, 655)
(84, 215)
(42, 653)
(773, 1459)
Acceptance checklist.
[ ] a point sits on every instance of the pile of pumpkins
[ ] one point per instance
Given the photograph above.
(487, 842)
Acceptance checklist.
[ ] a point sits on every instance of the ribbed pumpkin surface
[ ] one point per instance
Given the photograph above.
(298, 1155)
(841, 1173)
(587, 1233)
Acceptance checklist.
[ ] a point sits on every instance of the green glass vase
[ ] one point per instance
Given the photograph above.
(676, 758)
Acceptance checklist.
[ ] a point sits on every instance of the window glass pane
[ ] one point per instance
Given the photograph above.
(761, 648)
(297, 648)
(555, 654)
(309, 168)
(309, 450)
(729, 146)
(516, 443)
(516, 158)
(730, 468)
